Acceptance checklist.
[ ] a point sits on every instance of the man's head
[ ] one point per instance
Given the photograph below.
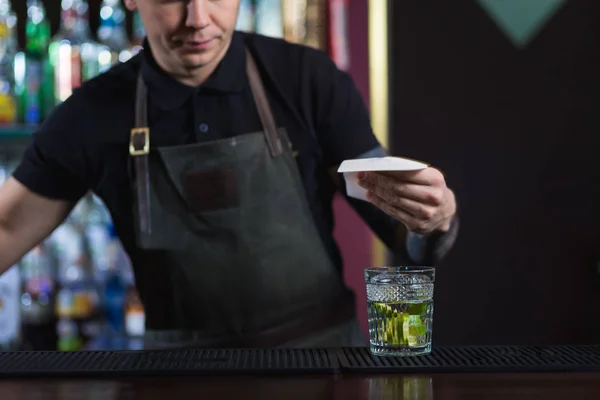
(188, 37)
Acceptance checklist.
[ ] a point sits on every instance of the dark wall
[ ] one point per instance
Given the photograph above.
(515, 131)
(53, 13)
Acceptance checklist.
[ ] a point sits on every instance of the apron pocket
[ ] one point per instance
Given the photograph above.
(211, 190)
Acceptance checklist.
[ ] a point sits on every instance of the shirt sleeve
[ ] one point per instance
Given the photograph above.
(342, 120)
(54, 164)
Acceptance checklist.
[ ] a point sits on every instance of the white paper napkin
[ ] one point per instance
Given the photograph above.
(351, 168)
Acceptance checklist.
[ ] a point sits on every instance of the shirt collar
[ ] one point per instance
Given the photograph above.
(167, 93)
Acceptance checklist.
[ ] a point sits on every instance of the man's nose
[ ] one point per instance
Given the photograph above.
(197, 14)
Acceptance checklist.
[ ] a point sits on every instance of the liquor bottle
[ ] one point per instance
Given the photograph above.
(269, 18)
(38, 289)
(339, 49)
(96, 228)
(8, 50)
(294, 20)
(316, 24)
(76, 308)
(77, 304)
(115, 285)
(135, 317)
(139, 34)
(10, 288)
(66, 239)
(32, 68)
(74, 55)
(112, 31)
(245, 20)
(7, 24)
(10, 293)
(305, 21)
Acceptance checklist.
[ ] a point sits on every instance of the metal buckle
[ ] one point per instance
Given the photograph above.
(144, 150)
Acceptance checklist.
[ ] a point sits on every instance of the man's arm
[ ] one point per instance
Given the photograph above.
(411, 247)
(26, 219)
(53, 175)
(420, 248)
(344, 131)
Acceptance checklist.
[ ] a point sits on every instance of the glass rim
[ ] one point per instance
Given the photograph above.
(404, 268)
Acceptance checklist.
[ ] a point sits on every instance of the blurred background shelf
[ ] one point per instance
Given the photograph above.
(16, 131)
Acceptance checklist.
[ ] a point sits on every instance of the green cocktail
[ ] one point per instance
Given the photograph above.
(400, 310)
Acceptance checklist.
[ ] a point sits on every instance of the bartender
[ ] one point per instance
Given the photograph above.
(216, 153)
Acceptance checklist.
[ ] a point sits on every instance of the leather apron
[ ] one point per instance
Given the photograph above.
(228, 254)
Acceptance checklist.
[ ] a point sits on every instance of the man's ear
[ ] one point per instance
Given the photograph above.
(131, 4)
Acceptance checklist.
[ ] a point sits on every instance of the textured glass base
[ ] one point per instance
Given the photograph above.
(400, 351)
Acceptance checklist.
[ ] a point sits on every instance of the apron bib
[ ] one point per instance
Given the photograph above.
(228, 253)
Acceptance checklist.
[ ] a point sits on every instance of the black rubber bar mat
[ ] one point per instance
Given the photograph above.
(476, 359)
(164, 362)
(296, 361)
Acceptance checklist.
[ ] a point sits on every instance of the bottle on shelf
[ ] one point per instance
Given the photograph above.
(7, 24)
(10, 293)
(8, 50)
(245, 20)
(95, 227)
(32, 70)
(294, 20)
(77, 309)
(77, 305)
(112, 32)
(268, 18)
(115, 284)
(139, 33)
(305, 22)
(135, 317)
(124, 310)
(339, 48)
(38, 294)
(74, 55)
(316, 24)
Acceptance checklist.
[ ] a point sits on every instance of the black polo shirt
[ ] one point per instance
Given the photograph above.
(83, 145)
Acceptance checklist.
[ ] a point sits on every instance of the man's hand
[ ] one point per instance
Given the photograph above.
(419, 199)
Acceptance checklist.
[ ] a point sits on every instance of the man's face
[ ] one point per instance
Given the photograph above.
(187, 35)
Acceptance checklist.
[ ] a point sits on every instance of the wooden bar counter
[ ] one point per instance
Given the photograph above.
(547, 386)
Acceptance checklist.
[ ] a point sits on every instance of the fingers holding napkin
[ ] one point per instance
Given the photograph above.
(410, 191)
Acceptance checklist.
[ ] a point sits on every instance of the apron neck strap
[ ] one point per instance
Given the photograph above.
(262, 104)
(141, 104)
(140, 138)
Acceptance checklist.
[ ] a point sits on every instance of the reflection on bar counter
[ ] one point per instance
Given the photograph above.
(403, 388)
